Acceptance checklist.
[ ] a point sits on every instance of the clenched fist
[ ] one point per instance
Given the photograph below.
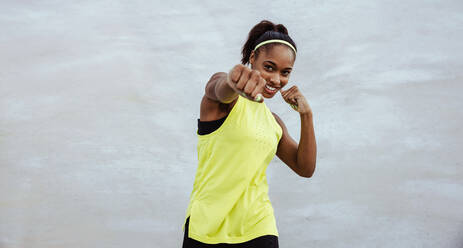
(247, 82)
(293, 96)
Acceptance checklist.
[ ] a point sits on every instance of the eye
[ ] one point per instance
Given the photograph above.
(268, 67)
(286, 73)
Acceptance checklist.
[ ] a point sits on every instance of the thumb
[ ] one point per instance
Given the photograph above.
(259, 98)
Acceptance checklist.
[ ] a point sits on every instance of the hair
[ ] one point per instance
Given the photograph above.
(264, 30)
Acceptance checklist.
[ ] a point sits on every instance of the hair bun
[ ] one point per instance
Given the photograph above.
(280, 28)
(262, 31)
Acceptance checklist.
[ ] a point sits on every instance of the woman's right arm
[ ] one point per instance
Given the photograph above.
(219, 90)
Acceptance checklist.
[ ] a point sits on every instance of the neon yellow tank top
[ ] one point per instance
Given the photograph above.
(229, 202)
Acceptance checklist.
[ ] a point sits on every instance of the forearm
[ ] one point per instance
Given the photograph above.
(217, 88)
(307, 149)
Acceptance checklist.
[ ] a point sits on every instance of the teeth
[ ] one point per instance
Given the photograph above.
(270, 88)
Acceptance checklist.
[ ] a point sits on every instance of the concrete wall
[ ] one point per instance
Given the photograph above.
(99, 103)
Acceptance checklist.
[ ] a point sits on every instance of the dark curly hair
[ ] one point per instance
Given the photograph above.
(264, 30)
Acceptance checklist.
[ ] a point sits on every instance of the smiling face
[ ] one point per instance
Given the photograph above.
(275, 65)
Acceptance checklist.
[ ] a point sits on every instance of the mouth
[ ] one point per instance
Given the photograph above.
(271, 90)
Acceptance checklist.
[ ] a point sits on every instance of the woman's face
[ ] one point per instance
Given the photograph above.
(275, 65)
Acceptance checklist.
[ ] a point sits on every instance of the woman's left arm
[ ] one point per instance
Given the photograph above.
(302, 157)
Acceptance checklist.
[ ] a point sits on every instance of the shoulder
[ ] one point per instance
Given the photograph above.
(277, 118)
(213, 110)
(280, 121)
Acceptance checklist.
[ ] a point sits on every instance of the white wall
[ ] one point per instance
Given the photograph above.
(99, 103)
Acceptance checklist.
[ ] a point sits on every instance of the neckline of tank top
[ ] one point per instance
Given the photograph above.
(213, 120)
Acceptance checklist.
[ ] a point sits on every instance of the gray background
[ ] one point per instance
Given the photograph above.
(99, 103)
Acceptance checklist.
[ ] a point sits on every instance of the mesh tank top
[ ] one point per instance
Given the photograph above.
(229, 202)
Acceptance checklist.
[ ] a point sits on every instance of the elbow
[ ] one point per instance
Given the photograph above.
(308, 173)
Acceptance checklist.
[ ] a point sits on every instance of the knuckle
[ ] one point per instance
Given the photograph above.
(234, 74)
(257, 78)
(252, 74)
(237, 69)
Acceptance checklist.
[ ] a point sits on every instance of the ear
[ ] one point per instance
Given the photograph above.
(251, 58)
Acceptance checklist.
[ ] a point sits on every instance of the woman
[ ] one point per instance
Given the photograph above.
(238, 136)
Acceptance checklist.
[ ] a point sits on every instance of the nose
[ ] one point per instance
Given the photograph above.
(275, 79)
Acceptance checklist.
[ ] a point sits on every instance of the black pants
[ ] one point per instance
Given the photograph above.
(267, 241)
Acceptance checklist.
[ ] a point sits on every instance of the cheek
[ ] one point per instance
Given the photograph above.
(265, 75)
(284, 80)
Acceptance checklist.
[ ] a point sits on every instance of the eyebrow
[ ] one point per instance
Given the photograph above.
(276, 64)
